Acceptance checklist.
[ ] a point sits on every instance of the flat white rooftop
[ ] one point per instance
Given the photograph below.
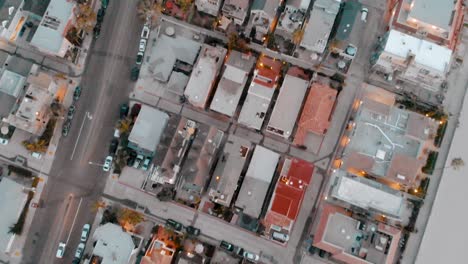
(148, 128)
(12, 200)
(425, 53)
(434, 12)
(256, 105)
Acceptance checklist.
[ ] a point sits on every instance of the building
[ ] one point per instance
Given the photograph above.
(340, 42)
(367, 194)
(352, 240)
(412, 60)
(204, 75)
(386, 141)
(320, 24)
(210, 7)
(317, 112)
(260, 92)
(284, 115)
(262, 17)
(236, 10)
(50, 35)
(147, 131)
(228, 170)
(162, 248)
(13, 73)
(292, 17)
(287, 198)
(232, 83)
(112, 245)
(12, 201)
(436, 21)
(257, 180)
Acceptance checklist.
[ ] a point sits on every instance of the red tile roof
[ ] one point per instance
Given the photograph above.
(268, 71)
(327, 210)
(317, 111)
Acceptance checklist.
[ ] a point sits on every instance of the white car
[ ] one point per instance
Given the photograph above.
(107, 163)
(61, 250)
(3, 141)
(145, 32)
(142, 46)
(85, 232)
(79, 250)
(251, 256)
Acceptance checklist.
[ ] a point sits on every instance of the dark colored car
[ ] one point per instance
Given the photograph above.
(192, 231)
(77, 93)
(131, 158)
(124, 110)
(97, 31)
(139, 58)
(135, 110)
(100, 15)
(66, 128)
(226, 245)
(71, 112)
(174, 224)
(113, 146)
(134, 73)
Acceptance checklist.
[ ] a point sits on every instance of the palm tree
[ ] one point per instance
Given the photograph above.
(149, 10)
(298, 34)
(85, 18)
(457, 163)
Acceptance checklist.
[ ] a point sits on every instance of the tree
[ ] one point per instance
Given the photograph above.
(124, 125)
(184, 4)
(127, 216)
(298, 34)
(85, 18)
(149, 10)
(98, 205)
(73, 36)
(457, 163)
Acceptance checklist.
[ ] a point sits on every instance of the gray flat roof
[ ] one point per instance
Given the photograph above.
(256, 105)
(148, 128)
(285, 113)
(257, 180)
(113, 245)
(12, 83)
(12, 200)
(433, 12)
(228, 170)
(232, 83)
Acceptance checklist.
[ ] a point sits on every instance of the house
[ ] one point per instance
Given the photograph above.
(204, 75)
(412, 60)
(317, 112)
(228, 170)
(236, 10)
(50, 34)
(292, 17)
(287, 197)
(262, 17)
(436, 21)
(147, 131)
(386, 141)
(112, 245)
(232, 83)
(162, 248)
(320, 24)
(340, 41)
(210, 7)
(260, 92)
(284, 115)
(353, 240)
(257, 180)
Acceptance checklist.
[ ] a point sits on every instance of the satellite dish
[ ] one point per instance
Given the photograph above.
(11, 10)
(170, 31)
(4, 130)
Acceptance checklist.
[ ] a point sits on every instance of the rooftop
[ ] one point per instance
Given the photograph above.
(284, 115)
(8, 10)
(267, 72)
(232, 83)
(50, 33)
(167, 51)
(228, 170)
(434, 12)
(348, 16)
(12, 201)
(287, 198)
(267, 6)
(113, 244)
(355, 241)
(257, 181)
(317, 112)
(12, 83)
(367, 194)
(161, 249)
(236, 9)
(425, 53)
(204, 75)
(320, 24)
(148, 128)
(36, 7)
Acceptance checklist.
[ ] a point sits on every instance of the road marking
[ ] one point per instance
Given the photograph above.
(74, 219)
(79, 134)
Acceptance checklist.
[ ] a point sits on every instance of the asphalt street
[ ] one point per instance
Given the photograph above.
(74, 184)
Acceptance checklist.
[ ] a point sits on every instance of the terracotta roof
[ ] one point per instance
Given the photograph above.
(417, 125)
(268, 71)
(404, 166)
(358, 161)
(327, 210)
(317, 110)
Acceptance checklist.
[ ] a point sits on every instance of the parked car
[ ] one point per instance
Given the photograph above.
(131, 158)
(3, 141)
(124, 110)
(107, 163)
(192, 230)
(116, 133)
(134, 73)
(138, 161)
(280, 237)
(85, 232)
(251, 256)
(145, 32)
(79, 250)
(113, 146)
(61, 250)
(139, 58)
(100, 15)
(240, 252)
(142, 46)
(226, 245)
(364, 12)
(146, 164)
(97, 31)
(174, 224)
(135, 110)
(66, 128)
(77, 93)
(71, 112)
